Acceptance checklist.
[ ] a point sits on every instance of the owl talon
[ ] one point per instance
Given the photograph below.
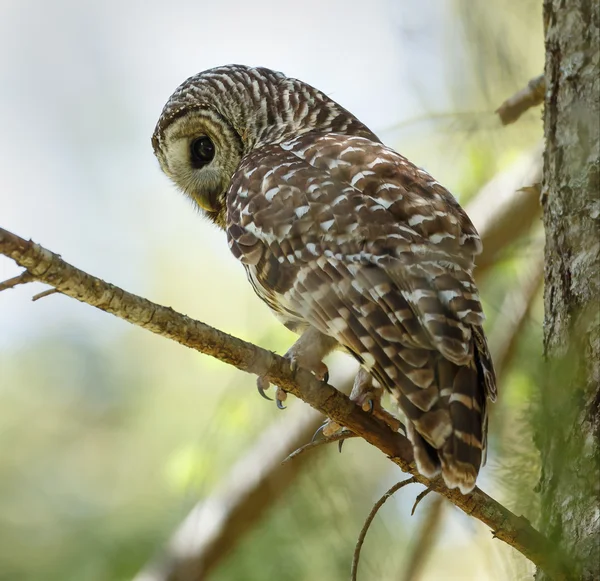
(321, 372)
(261, 385)
(308, 352)
(280, 397)
(264, 395)
(318, 433)
(326, 430)
(293, 364)
(371, 403)
(319, 369)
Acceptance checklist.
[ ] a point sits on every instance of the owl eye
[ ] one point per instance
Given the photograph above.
(202, 151)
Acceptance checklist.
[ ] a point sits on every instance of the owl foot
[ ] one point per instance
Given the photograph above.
(307, 353)
(331, 430)
(280, 397)
(367, 394)
(320, 371)
(261, 385)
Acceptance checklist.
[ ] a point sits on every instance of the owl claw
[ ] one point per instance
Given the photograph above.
(326, 430)
(261, 385)
(307, 352)
(319, 432)
(293, 364)
(371, 403)
(280, 397)
(264, 395)
(319, 369)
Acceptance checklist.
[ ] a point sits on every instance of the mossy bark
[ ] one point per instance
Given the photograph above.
(568, 432)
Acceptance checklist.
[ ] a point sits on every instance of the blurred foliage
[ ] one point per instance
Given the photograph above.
(109, 438)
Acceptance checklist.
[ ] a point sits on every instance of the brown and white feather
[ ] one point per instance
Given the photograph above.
(340, 233)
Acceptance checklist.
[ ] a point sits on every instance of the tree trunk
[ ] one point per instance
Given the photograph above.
(569, 421)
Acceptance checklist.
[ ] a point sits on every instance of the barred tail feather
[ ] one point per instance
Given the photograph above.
(450, 436)
(462, 454)
(440, 389)
(426, 456)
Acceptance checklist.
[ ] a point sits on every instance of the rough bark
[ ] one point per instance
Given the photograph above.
(569, 421)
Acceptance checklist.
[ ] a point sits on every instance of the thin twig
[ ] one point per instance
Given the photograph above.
(311, 445)
(22, 278)
(531, 96)
(365, 527)
(46, 293)
(419, 498)
(51, 269)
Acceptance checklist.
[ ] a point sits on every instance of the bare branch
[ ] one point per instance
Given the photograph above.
(418, 500)
(22, 278)
(339, 437)
(46, 293)
(531, 96)
(365, 528)
(51, 269)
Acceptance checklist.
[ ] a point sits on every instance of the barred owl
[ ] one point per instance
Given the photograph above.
(348, 243)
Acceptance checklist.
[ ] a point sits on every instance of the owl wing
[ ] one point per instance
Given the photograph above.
(346, 235)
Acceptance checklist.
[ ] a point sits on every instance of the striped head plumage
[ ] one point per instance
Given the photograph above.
(240, 109)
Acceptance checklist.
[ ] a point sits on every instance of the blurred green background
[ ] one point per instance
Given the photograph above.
(110, 435)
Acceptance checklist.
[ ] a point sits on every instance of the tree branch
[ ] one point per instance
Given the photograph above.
(370, 517)
(531, 96)
(22, 278)
(49, 268)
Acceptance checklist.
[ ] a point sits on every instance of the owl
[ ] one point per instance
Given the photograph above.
(350, 245)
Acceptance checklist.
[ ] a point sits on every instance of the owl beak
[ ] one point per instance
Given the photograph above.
(211, 202)
(204, 202)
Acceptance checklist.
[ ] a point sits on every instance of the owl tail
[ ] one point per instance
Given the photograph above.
(451, 436)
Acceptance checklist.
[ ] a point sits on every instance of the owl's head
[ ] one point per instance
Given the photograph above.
(218, 116)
